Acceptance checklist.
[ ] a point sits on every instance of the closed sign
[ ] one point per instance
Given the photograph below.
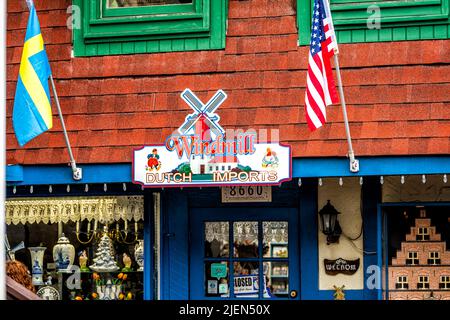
(246, 284)
(246, 194)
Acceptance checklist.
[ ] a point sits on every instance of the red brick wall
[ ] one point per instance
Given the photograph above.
(398, 93)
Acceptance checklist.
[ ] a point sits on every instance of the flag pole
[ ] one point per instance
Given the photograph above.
(77, 172)
(354, 163)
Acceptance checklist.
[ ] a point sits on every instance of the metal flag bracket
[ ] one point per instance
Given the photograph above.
(354, 163)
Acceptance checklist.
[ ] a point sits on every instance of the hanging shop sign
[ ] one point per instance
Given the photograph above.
(202, 153)
(247, 194)
(334, 267)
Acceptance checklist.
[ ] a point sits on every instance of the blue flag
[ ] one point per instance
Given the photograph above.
(32, 113)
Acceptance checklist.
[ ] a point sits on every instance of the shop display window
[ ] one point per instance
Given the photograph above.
(416, 253)
(80, 248)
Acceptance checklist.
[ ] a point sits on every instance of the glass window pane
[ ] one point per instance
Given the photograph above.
(246, 279)
(142, 3)
(275, 239)
(277, 279)
(217, 243)
(245, 235)
(217, 279)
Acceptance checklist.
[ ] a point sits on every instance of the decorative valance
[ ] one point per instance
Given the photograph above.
(54, 210)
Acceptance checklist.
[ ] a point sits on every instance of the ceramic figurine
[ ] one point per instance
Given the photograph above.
(127, 263)
(37, 261)
(139, 254)
(63, 254)
(83, 258)
(104, 256)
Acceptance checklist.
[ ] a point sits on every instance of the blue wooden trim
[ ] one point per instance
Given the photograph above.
(302, 167)
(92, 173)
(148, 245)
(380, 249)
(175, 240)
(309, 264)
(371, 197)
(14, 173)
(339, 167)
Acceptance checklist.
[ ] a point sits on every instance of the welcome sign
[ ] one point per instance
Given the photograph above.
(202, 153)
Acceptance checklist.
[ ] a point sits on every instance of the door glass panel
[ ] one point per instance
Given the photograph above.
(275, 239)
(217, 279)
(245, 240)
(217, 244)
(246, 279)
(277, 278)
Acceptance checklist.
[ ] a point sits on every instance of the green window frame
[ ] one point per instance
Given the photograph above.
(399, 20)
(200, 25)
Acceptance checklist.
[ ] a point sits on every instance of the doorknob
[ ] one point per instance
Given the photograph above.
(293, 294)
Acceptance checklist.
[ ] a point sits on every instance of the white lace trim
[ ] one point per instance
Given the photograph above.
(54, 210)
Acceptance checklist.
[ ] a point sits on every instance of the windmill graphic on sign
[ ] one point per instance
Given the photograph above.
(203, 118)
(204, 123)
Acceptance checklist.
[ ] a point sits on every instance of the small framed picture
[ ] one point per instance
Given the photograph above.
(280, 251)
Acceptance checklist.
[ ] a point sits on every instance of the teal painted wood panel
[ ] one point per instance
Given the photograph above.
(400, 20)
(161, 34)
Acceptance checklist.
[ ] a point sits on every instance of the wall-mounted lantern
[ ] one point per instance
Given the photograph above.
(329, 223)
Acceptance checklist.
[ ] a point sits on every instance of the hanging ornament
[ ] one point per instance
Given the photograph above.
(381, 179)
(68, 188)
(31, 189)
(424, 179)
(105, 187)
(299, 182)
(50, 189)
(341, 182)
(361, 181)
(86, 187)
(14, 189)
(320, 182)
(402, 179)
(124, 186)
(445, 178)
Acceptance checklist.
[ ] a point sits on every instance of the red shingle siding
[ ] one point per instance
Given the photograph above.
(398, 94)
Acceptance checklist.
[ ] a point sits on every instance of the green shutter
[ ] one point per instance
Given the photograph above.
(162, 28)
(355, 21)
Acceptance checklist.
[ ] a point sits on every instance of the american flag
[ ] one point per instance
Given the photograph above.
(320, 88)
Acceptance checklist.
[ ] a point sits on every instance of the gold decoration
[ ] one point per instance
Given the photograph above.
(339, 293)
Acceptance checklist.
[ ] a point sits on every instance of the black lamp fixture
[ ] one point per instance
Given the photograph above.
(329, 222)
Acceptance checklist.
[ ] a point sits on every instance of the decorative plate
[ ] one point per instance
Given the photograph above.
(48, 293)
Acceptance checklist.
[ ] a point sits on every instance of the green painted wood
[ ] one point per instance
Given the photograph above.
(385, 34)
(140, 47)
(399, 34)
(400, 20)
(413, 33)
(201, 26)
(190, 44)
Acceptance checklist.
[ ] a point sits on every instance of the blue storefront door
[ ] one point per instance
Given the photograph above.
(244, 253)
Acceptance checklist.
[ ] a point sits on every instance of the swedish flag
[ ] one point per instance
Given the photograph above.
(32, 113)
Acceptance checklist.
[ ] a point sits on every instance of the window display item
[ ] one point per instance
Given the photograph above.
(104, 256)
(63, 254)
(48, 293)
(83, 258)
(37, 261)
(139, 254)
(126, 262)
